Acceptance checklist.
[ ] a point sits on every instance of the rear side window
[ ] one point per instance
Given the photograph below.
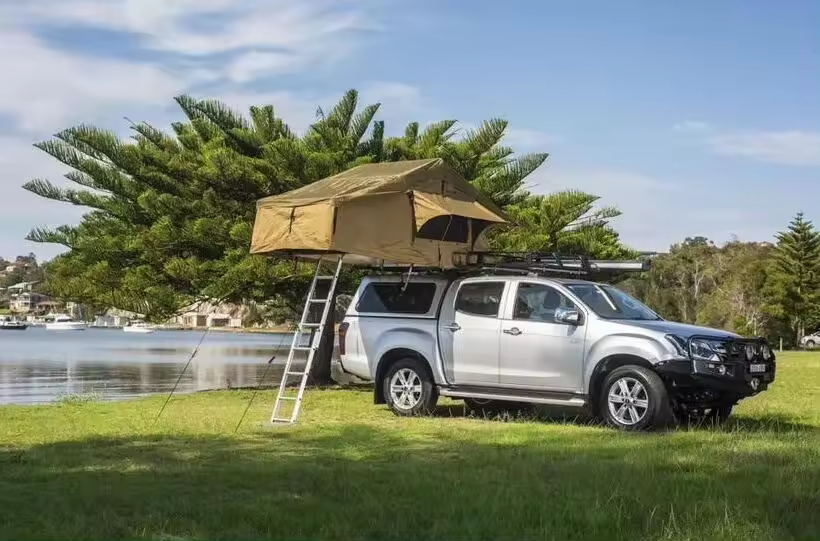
(480, 298)
(417, 298)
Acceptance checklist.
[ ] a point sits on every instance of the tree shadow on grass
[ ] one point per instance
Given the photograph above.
(362, 482)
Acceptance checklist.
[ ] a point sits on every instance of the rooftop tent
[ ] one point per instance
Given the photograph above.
(417, 212)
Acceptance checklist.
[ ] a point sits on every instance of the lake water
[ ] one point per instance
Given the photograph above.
(40, 366)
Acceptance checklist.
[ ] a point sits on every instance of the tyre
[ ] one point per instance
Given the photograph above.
(810, 344)
(635, 398)
(408, 388)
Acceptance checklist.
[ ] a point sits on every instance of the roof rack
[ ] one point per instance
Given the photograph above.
(532, 263)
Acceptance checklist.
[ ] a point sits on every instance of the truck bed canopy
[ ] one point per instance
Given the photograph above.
(417, 212)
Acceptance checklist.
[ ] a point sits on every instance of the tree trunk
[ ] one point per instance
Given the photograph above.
(320, 369)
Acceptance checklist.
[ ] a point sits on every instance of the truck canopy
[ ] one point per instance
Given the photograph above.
(416, 212)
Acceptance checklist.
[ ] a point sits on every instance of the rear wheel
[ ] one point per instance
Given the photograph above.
(409, 389)
(634, 398)
(810, 344)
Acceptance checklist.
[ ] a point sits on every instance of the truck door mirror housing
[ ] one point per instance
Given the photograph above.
(568, 316)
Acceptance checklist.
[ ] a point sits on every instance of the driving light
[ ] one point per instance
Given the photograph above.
(767, 353)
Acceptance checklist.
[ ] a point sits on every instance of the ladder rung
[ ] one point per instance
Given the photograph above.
(318, 301)
(281, 420)
(287, 398)
(295, 373)
(325, 277)
(303, 348)
(310, 325)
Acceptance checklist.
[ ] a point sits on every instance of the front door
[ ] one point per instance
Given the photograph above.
(469, 330)
(536, 351)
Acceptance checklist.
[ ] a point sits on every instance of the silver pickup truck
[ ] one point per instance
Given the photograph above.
(498, 341)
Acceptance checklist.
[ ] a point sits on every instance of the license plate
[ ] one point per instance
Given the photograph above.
(757, 368)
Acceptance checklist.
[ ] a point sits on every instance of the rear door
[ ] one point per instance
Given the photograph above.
(469, 329)
(536, 351)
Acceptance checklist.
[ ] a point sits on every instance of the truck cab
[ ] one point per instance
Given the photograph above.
(500, 340)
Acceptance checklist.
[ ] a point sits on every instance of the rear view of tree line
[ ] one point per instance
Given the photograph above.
(752, 288)
(170, 214)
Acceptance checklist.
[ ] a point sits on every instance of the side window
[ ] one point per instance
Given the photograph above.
(538, 302)
(389, 298)
(480, 298)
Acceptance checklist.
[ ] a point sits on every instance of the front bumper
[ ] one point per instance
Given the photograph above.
(731, 375)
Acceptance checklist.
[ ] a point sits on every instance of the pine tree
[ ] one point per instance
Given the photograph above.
(566, 222)
(797, 258)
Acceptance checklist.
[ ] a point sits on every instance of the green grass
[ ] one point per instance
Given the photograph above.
(351, 470)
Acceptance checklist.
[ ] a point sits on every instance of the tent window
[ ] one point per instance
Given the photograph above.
(449, 228)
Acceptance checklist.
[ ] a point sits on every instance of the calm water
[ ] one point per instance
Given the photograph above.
(39, 366)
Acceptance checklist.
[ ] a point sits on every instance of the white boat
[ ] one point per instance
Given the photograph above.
(139, 327)
(63, 322)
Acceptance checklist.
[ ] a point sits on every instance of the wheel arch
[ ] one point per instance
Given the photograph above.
(387, 360)
(607, 365)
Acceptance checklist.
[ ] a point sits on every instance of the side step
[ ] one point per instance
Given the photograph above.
(513, 395)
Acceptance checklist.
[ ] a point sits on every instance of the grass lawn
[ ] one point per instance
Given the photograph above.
(352, 470)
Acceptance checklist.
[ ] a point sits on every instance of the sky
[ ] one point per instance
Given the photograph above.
(693, 118)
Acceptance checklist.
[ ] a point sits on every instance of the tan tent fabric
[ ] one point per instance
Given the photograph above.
(416, 212)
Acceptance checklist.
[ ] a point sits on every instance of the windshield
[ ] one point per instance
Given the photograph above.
(611, 303)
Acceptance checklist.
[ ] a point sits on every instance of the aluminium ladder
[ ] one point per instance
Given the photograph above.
(285, 394)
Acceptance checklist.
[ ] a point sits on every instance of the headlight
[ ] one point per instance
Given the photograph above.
(704, 350)
(767, 353)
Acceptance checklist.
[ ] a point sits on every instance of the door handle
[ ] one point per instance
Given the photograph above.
(515, 331)
(453, 327)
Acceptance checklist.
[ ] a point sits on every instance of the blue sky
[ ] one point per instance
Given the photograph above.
(694, 118)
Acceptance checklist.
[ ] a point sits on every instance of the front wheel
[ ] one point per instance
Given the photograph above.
(810, 344)
(408, 389)
(635, 398)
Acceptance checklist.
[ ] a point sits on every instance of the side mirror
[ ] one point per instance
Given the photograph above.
(567, 316)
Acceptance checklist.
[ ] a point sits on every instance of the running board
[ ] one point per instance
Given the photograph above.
(509, 395)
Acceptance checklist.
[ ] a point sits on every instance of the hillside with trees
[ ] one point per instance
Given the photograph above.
(752, 288)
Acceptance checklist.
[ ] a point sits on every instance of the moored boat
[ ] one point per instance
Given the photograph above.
(63, 322)
(139, 327)
(8, 324)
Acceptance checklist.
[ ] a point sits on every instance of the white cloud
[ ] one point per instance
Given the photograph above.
(655, 212)
(44, 89)
(259, 37)
(790, 147)
(785, 147)
(691, 126)
(523, 140)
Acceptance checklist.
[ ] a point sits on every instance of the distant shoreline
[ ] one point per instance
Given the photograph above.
(279, 329)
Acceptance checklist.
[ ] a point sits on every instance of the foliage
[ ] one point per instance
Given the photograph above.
(797, 266)
(566, 222)
(171, 215)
